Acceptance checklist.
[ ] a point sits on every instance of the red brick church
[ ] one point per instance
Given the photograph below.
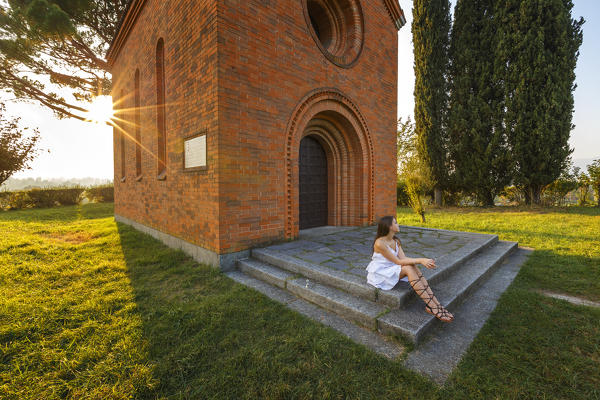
(240, 123)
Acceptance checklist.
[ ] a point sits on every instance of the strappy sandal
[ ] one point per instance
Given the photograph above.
(442, 314)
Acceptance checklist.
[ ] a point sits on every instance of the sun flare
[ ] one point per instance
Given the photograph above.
(100, 110)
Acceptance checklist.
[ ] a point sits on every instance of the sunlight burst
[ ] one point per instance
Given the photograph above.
(100, 110)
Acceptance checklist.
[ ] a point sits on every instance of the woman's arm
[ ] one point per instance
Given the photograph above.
(402, 260)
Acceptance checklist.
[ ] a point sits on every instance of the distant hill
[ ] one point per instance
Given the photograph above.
(13, 184)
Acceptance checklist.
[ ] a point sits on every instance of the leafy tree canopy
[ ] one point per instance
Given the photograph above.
(537, 53)
(52, 52)
(17, 146)
(431, 29)
(594, 174)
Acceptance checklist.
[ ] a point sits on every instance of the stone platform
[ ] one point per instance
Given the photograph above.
(322, 275)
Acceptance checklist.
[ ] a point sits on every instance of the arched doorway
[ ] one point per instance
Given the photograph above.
(329, 119)
(313, 183)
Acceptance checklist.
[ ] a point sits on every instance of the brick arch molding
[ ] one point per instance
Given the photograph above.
(336, 120)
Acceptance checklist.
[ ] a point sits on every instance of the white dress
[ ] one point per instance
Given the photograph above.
(382, 273)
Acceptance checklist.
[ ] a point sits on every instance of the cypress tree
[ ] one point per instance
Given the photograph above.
(477, 144)
(537, 54)
(430, 30)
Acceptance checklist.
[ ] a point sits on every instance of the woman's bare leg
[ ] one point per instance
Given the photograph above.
(423, 290)
(419, 284)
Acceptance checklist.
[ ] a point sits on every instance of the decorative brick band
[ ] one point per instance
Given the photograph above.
(337, 27)
(395, 12)
(351, 150)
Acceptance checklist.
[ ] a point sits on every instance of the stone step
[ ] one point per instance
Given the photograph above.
(344, 304)
(451, 261)
(444, 346)
(331, 277)
(265, 272)
(368, 337)
(403, 293)
(358, 286)
(413, 322)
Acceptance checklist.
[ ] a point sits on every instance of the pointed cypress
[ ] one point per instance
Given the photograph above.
(430, 29)
(536, 58)
(477, 145)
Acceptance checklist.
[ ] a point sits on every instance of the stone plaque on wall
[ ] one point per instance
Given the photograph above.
(195, 152)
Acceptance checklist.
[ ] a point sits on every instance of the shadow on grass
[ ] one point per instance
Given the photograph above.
(209, 337)
(60, 214)
(570, 274)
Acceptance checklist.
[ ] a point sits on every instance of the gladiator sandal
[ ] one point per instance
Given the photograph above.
(442, 314)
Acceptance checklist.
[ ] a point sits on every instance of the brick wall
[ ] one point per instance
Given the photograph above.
(268, 62)
(247, 96)
(185, 204)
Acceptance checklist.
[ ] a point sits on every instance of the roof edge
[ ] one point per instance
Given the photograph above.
(135, 7)
(395, 12)
(125, 25)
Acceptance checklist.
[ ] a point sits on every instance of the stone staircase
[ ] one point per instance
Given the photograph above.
(326, 269)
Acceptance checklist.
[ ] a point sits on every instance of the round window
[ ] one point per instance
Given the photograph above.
(337, 28)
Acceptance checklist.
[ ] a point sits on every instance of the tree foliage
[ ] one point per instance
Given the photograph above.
(538, 47)
(411, 170)
(583, 186)
(406, 141)
(17, 146)
(430, 30)
(594, 176)
(477, 144)
(554, 193)
(52, 51)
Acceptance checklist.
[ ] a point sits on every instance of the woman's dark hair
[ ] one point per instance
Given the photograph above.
(383, 228)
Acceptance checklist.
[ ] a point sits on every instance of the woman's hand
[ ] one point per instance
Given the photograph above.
(428, 263)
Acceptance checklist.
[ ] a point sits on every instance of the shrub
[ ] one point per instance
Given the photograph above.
(555, 193)
(402, 193)
(68, 196)
(19, 201)
(417, 185)
(594, 174)
(4, 199)
(452, 198)
(101, 194)
(42, 198)
(513, 194)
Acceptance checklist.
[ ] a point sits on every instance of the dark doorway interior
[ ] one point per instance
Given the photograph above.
(313, 184)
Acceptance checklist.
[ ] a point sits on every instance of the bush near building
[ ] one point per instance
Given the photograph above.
(51, 197)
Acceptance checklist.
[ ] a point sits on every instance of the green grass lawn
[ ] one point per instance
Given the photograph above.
(94, 309)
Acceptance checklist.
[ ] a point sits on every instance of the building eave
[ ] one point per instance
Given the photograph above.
(395, 12)
(134, 8)
(127, 22)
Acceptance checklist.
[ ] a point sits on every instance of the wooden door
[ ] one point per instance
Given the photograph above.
(313, 184)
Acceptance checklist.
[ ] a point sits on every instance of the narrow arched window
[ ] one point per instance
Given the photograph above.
(160, 107)
(138, 135)
(122, 136)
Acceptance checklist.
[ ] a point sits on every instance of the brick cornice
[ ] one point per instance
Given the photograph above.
(127, 21)
(135, 7)
(395, 12)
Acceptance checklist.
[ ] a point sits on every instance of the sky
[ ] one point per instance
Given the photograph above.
(74, 149)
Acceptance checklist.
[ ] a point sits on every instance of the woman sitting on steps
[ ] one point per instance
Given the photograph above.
(389, 265)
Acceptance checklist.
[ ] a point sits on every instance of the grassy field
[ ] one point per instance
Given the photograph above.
(94, 309)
